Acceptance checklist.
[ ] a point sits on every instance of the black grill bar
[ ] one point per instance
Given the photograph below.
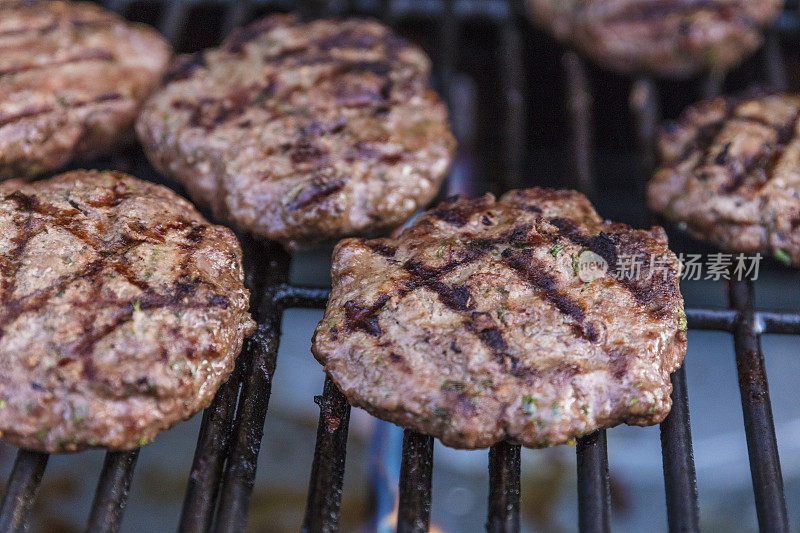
(579, 106)
(762, 445)
(112, 492)
(593, 487)
(784, 323)
(327, 471)
(766, 322)
(266, 267)
(235, 16)
(711, 319)
(773, 61)
(680, 480)
(504, 488)
(23, 486)
(644, 105)
(416, 473)
(240, 468)
(515, 113)
(289, 296)
(173, 21)
(209, 457)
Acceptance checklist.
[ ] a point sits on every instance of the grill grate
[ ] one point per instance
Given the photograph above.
(224, 465)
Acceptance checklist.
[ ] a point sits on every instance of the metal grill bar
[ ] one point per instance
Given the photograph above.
(240, 469)
(785, 323)
(416, 474)
(173, 22)
(680, 480)
(23, 486)
(514, 116)
(236, 15)
(766, 322)
(579, 105)
(762, 445)
(112, 492)
(504, 488)
(594, 498)
(290, 296)
(327, 471)
(209, 457)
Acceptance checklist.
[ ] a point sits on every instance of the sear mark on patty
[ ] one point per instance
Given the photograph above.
(93, 54)
(364, 318)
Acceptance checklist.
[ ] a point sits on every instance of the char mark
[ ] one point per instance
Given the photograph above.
(652, 290)
(308, 153)
(458, 212)
(364, 150)
(364, 318)
(534, 273)
(94, 54)
(318, 190)
(759, 169)
(35, 111)
(483, 326)
(348, 38)
(36, 32)
(455, 297)
(656, 10)
(381, 248)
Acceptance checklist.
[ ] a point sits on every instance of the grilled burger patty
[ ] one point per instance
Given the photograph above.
(121, 311)
(675, 38)
(303, 133)
(731, 174)
(476, 325)
(72, 80)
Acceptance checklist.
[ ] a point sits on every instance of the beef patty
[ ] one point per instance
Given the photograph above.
(731, 174)
(489, 320)
(673, 38)
(121, 311)
(303, 133)
(72, 80)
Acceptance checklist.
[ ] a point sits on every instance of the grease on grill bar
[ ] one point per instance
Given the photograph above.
(227, 448)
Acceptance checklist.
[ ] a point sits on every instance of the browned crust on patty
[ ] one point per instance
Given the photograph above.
(730, 174)
(121, 311)
(673, 38)
(72, 80)
(473, 326)
(303, 133)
